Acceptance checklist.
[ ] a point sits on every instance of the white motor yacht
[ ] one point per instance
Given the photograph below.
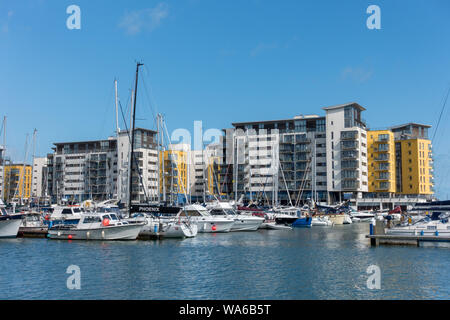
(424, 227)
(321, 221)
(206, 222)
(96, 226)
(241, 222)
(9, 223)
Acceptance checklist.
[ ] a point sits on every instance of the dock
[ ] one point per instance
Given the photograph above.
(30, 232)
(377, 239)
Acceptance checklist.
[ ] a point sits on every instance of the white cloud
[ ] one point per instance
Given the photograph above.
(145, 19)
(357, 74)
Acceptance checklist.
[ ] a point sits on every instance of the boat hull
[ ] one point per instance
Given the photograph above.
(9, 227)
(212, 226)
(243, 224)
(122, 232)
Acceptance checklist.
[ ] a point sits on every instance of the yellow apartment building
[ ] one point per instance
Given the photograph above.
(414, 162)
(381, 161)
(214, 168)
(17, 182)
(174, 176)
(416, 166)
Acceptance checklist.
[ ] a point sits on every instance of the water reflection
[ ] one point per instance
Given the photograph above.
(316, 263)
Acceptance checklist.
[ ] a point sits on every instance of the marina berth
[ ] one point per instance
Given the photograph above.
(424, 227)
(96, 226)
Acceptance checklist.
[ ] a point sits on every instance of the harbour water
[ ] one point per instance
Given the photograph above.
(315, 263)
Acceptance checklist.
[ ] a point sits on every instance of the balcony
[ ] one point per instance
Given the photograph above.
(382, 157)
(382, 148)
(383, 186)
(350, 185)
(349, 135)
(349, 145)
(383, 176)
(350, 174)
(350, 164)
(385, 167)
(349, 154)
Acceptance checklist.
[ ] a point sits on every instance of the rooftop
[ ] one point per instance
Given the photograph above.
(340, 106)
(410, 124)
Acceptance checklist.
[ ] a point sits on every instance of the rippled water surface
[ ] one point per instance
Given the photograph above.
(316, 263)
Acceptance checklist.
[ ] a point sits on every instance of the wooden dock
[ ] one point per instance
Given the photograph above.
(377, 239)
(31, 232)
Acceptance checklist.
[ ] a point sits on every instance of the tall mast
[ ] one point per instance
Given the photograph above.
(130, 191)
(159, 159)
(163, 160)
(4, 157)
(32, 163)
(117, 108)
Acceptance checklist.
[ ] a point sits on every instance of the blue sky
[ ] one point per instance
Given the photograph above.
(220, 62)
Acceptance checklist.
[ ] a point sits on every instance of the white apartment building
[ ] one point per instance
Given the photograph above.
(281, 161)
(39, 180)
(145, 184)
(346, 152)
(84, 170)
(99, 169)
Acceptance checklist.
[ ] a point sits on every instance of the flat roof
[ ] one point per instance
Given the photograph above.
(103, 140)
(350, 104)
(303, 117)
(410, 124)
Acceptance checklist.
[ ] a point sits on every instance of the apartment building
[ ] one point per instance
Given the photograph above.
(414, 160)
(381, 160)
(39, 177)
(281, 161)
(145, 167)
(175, 172)
(17, 183)
(84, 170)
(346, 152)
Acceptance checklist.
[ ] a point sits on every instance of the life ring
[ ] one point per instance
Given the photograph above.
(105, 222)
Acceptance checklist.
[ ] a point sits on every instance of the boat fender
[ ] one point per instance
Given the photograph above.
(214, 228)
(156, 228)
(421, 232)
(70, 237)
(436, 233)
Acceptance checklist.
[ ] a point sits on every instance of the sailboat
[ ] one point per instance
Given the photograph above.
(160, 220)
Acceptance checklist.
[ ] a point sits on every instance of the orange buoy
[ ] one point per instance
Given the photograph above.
(214, 228)
(70, 237)
(105, 222)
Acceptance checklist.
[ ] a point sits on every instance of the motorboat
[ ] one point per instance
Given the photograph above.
(66, 215)
(424, 227)
(241, 222)
(9, 223)
(304, 222)
(206, 222)
(321, 221)
(285, 215)
(361, 216)
(347, 219)
(96, 226)
(32, 225)
(163, 221)
(277, 226)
